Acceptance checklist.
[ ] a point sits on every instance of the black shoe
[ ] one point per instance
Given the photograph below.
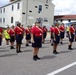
(34, 58)
(70, 48)
(27, 45)
(43, 42)
(29, 41)
(20, 51)
(55, 52)
(52, 44)
(17, 51)
(37, 57)
(11, 47)
(61, 43)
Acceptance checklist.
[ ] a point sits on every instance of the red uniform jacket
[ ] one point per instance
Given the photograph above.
(52, 29)
(62, 28)
(11, 32)
(72, 29)
(18, 30)
(37, 31)
(44, 30)
(56, 30)
(27, 31)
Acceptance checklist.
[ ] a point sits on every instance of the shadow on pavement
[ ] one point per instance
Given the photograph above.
(4, 50)
(23, 47)
(65, 43)
(8, 55)
(45, 47)
(74, 48)
(46, 43)
(2, 47)
(62, 52)
(48, 57)
(27, 51)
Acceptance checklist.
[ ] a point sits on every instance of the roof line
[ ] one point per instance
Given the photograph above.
(66, 15)
(10, 4)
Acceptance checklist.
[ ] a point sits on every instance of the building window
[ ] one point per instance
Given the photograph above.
(23, 12)
(11, 19)
(12, 7)
(40, 8)
(56, 20)
(3, 20)
(45, 20)
(30, 11)
(1, 11)
(4, 10)
(69, 20)
(46, 7)
(61, 20)
(0, 20)
(35, 6)
(38, 20)
(18, 6)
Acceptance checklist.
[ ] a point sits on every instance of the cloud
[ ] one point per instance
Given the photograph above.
(64, 7)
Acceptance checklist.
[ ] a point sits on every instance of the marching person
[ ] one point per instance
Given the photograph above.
(7, 36)
(56, 38)
(52, 37)
(22, 32)
(67, 31)
(30, 28)
(75, 32)
(71, 36)
(28, 35)
(1, 32)
(44, 33)
(18, 33)
(37, 34)
(62, 32)
(12, 37)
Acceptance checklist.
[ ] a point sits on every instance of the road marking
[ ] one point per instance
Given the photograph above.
(62, 69)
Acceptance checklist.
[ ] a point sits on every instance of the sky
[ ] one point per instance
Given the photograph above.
(65, 7)
(62, 7)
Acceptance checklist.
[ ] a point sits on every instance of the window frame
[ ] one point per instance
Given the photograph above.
(18, 6)
(12, 7)
(3, 10)
(12, 19)
(0, 20)
(39, 8)
(3, 20)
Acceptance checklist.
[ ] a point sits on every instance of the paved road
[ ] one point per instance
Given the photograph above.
(12, 63)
